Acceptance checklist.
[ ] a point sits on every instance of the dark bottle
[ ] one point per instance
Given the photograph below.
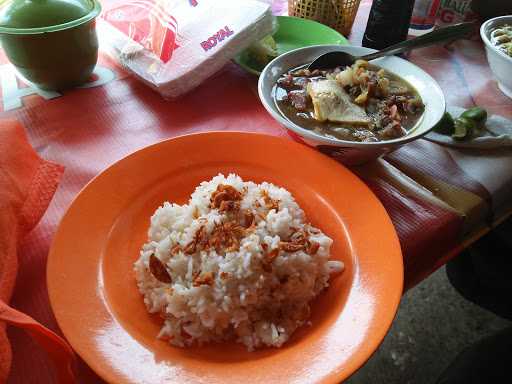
(388, 23)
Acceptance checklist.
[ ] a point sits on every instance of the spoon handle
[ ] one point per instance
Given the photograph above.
(451, 32)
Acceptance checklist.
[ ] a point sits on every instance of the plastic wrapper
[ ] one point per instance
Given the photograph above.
(174, 45)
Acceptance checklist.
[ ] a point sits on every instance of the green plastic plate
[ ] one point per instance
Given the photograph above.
(293, 33)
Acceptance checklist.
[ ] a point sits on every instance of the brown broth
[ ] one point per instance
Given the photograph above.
(335, 130)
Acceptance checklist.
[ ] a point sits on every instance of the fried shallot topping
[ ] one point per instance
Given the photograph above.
(158, 270)
(190, 248)
(249, 219)
(224, 275)
(229, 206)
(205, 278)
(200, 241)
(269, 202)
(226, 236)
(270, 257)
(312, 247)
(299, 240)
(290, 247)
(296, 243)
(298, 237)
(226, 198)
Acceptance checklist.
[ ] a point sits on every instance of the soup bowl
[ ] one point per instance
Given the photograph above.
(500, 62)
(353, 152)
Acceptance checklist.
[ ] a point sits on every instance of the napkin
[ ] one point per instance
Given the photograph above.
(497, 135)
(27, 185)
(206, 34)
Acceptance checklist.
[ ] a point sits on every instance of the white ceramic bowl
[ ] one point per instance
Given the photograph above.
(350, 152)
(500, 62)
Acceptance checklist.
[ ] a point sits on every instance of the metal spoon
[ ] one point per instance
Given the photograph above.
(335, 59)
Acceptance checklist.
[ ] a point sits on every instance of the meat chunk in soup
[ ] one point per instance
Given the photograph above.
(332, 103)
(299, 99)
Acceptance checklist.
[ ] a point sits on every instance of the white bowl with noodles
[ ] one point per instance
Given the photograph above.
(353, 152)
(500, 62)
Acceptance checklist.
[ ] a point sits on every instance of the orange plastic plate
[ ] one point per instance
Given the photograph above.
(96, 302)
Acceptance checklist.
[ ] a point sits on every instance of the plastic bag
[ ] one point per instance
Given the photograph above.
(145, 22)
(174, 45)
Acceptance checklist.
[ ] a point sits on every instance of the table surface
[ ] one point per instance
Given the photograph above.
(437, 198)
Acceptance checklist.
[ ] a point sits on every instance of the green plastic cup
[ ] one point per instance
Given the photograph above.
(52, 43)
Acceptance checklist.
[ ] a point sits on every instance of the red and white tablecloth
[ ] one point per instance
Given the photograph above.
(437, 198)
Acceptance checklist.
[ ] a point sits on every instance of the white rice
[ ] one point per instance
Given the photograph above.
(249, 299)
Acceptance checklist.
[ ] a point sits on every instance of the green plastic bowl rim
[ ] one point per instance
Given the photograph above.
(95, 11)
